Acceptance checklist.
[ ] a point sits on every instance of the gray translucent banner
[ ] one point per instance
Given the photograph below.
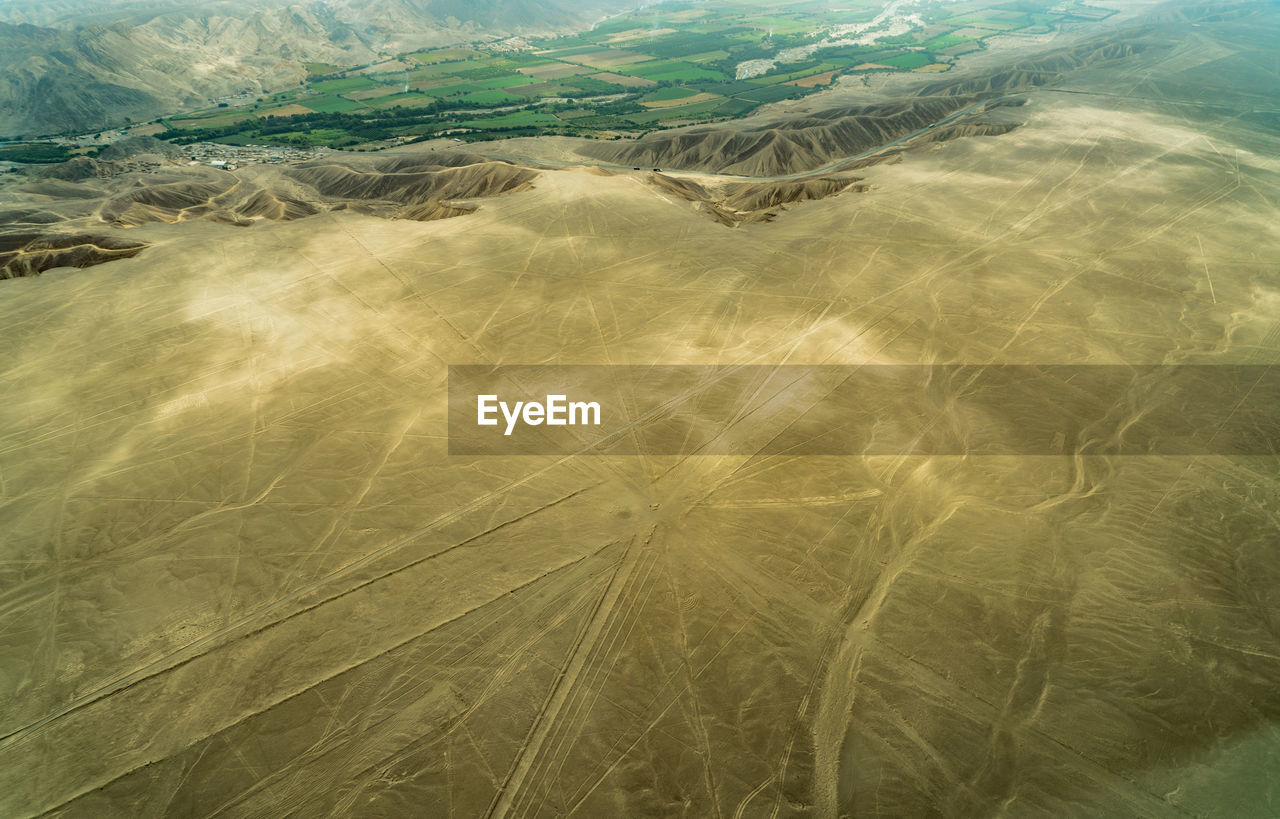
(864, 410)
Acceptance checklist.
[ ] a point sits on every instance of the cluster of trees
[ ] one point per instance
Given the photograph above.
(592, 87)
(375, 122)
(366, 126)
(35, 153)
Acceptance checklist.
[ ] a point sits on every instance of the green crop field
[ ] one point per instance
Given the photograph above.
(330, 104)
(218, 121)
(770, 93)
(494, 97)
(516, 119)
(572, 51)
(590, 86)
(445, 54)
(615, 77)
(409, 100)
(913, 59)
(320, 69)
(736, 107)
(945, 41)
(690, 74)
(661, 68)
(454, 90)
(728, 89)
(543, 89)
(445, 69)
(668, 94)
(505, 81)
(344, 85)
(697, 109)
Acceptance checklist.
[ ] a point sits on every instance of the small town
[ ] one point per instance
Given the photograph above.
(217, 155)
(231, 157)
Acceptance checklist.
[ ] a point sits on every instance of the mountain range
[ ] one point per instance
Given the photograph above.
(77, 66)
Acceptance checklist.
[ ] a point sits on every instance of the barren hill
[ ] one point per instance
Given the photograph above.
(792, 145)
(75, 66)
(68, 207)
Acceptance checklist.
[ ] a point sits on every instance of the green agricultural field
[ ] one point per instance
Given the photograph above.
(489, 71)
(687, 45)
(680, 112)
(454, 90)
(568, 51)
(344, 85)
(728, 89)
(945, 41)
(1000, 25)
(442, 69)
(328, 104)
(320, 69)
(245, 139)
(516, 119)
(494, 97)
(544, 89)
(505, 81)
(780, 24)
(663, 56)
(691, 74)
(590, 86)
(663, 68)
(736, 107)
(668, 94)
(445, 55)
(218, 121)
(604, 122)
(984, 21)
(409, 100)
(771, 93)
(913, 59)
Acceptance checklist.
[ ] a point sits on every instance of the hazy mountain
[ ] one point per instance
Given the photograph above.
(82, 65)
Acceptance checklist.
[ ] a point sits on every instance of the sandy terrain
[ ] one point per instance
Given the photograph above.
(243, 576)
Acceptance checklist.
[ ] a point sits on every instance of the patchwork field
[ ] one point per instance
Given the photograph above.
(699, 50)
(688, 99)
(554, 71)
(812, 80)
(608, 58)
(624, 80)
